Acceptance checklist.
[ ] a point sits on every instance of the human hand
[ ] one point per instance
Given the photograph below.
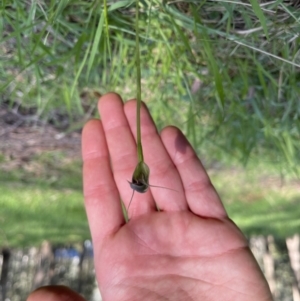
(190, 250)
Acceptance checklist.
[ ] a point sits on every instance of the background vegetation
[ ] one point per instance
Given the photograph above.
(226, 72)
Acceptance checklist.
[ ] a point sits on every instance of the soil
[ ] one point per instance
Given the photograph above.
(22, 138)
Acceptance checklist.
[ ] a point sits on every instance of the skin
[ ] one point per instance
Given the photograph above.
(190, 250)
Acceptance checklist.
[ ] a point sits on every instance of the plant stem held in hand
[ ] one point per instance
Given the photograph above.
(140, 177)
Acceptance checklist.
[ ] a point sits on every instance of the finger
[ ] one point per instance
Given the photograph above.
(122, 149)
(201, 196)
(162, 170)
(54, 293)
(102, 200)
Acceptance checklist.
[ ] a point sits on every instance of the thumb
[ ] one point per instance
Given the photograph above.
(54, 293)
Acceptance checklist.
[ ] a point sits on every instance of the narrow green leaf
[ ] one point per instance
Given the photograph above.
(120, 4)
(215, 69)
(260, 15)
(66, 97)
(62, 4)
(211, 60)
(149, 19)
(183, 37)
(96, 41)
(107, 29)
(79, 71)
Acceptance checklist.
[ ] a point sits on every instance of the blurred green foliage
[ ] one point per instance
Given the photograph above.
(225, 71)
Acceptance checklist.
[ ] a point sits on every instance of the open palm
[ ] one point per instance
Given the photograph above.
(190, 249)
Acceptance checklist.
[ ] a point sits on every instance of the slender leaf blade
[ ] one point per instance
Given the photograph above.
(260, 15)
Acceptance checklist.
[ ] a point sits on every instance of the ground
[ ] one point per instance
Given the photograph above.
(22, 140)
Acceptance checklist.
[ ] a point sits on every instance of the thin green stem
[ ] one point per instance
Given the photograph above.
(107, 28)
(138, 86)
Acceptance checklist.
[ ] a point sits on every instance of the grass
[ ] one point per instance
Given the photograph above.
(43, 203)
(259, 202)
(225, 72)
(47, 203)
(31, 214)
